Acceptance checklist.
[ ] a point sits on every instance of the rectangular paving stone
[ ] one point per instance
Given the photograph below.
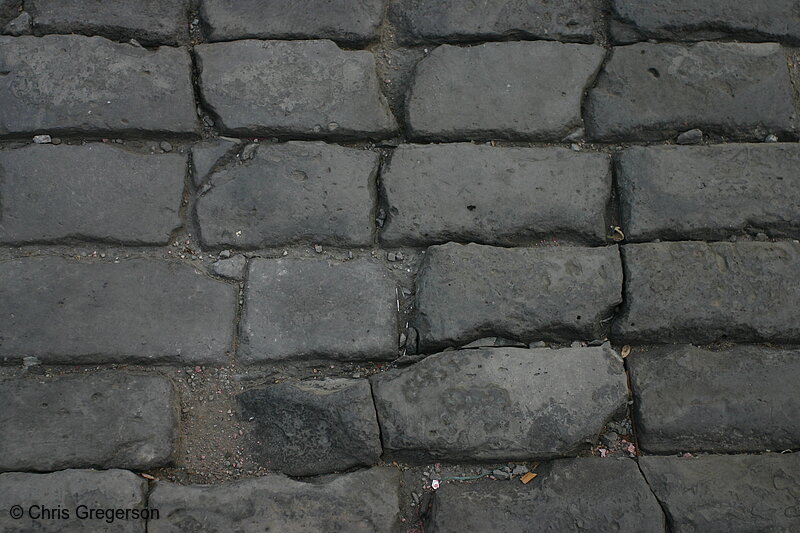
(701, 293)
(649, 92)
(45, 498)
(65, 84)
(90, 192)
(293, 192)
(687, 20)
(134, 310)
(455, 20)
(314, 308)
(742, 399)
(307, 89)
(586, 494)
(347, 21)
(709, 192)
(508, 196)
(727, 493)
(366, 501)
(499, 404)
(467, 292)
(105, 420)
(509, 90)
(151, 22)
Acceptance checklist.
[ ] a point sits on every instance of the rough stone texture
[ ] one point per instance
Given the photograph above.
(709, 192)
(727, 493)
(293, 192)
(348, 21)
(681, 20)
(467, 192)
(307, 308)
(111, 489)
(206, 154)
(653, 92)
(314, 427)
(511, 90)
(466, 292)
(89, 85)
(232, 268)
(91, 192)
(498, 404)
(588, 494)
(743, 399)
(701, 293)
(362, 502)
(457, 20)
(63, 311)
(151, 22)
(105, 420)
(311, 89)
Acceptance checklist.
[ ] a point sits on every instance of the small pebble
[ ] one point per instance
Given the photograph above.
(318, 248)
(771, 138)
(501, 474)
(42, 139)
(761, 236)
(167, 147)
(56, 140)
(694, 136)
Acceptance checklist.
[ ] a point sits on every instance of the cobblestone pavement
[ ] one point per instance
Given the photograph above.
(399, 266)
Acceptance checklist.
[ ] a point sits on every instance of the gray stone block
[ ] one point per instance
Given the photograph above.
(93, 86)
(510, 90)
(701, 293)
(136, 310)
(499, 404)
(206, 154)
(104, 420)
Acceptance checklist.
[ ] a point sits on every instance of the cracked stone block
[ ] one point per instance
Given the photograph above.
(507, 196)
(134, 310)
(709, 192)
(313, 427)
(346, 21)
(727, 493)
(91, 192)
(651, 92)
(206, 154)
(702, 293)
(586, 494)
(66, 490)
(467, 292)
(499, 404)
(742, 399)
(311, 89)
(367, 501)
(312, 308)
(105, 420)
(294, 192)
(66, 84)
(515, 90)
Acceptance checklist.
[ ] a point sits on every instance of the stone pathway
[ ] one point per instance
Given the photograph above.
(399, 266)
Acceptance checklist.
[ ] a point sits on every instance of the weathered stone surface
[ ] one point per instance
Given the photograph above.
(76, 84)
(313, 427)
(306, 308)
(311, 89)
(293, 192)
(510, 90)
(39, 494)
(206, 154)
(499, 403)
(348, 21)
(63, 311)
(467, 192)
(635, 20)
(655, 91)
(727, 493)
(362, 502)
(105, 420)
(454, 20)
(90, 192)
(150, 22)
(589, 494)
(466, 292)
(701, 293)
(709, 192)
(742, 399)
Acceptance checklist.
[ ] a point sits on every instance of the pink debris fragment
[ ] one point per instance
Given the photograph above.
(435, 484)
